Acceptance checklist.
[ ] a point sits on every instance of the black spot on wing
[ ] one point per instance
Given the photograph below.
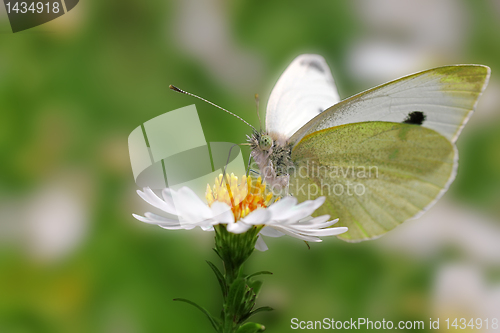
(415, 118)
(314, 64)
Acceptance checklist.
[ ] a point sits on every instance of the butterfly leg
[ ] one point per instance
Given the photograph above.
(250, 158)
(227, 162)
(255, 172)
(249, 163)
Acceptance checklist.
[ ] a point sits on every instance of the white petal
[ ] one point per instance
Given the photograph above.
(317, 220)
(143, 219)
(318, 202)
(320, 232)
(207, 224)
(322, 225)
(190, 206)
(338, 230)
(167, 195)
(315, 226)
(184, 227)
(301, 211)
(151, 198)
(260, 244)
(287, 214)
(222, 213)
(171, 225)
(258, 216)
(282, 209)
(207, 228)
(271, 232)
(160, 219)
(238, 227)
(188, 196)
(295, 234)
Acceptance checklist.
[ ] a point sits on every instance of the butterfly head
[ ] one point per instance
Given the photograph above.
(265, 142)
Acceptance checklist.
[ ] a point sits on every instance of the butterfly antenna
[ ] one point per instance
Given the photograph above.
(174, 88)
(258, 113)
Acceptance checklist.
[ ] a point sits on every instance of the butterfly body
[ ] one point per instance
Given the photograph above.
(272, 153)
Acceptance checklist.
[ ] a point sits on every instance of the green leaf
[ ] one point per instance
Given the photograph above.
(259, 273)
(256, 285)
(218, 254)
(215, 323)
(261, 309)
(247, 307)
(220, 278)
(236, 292)
(251, 328)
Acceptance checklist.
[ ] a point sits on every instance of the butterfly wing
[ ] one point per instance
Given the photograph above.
(447, 97)
(375, 175)
(305, 89)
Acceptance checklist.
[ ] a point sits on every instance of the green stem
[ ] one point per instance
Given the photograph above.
(239, 291)
(234, 250)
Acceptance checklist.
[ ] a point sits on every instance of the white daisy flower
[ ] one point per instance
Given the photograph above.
(240, 206)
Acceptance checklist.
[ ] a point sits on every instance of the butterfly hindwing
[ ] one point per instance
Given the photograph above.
(375, 175)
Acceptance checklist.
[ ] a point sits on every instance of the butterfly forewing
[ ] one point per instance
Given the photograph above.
(305, 89)
(375, 175)
(446, 96)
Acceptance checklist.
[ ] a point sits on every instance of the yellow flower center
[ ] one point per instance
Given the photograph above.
(243, 197)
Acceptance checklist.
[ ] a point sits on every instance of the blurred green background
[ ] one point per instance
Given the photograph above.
(72, 258)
